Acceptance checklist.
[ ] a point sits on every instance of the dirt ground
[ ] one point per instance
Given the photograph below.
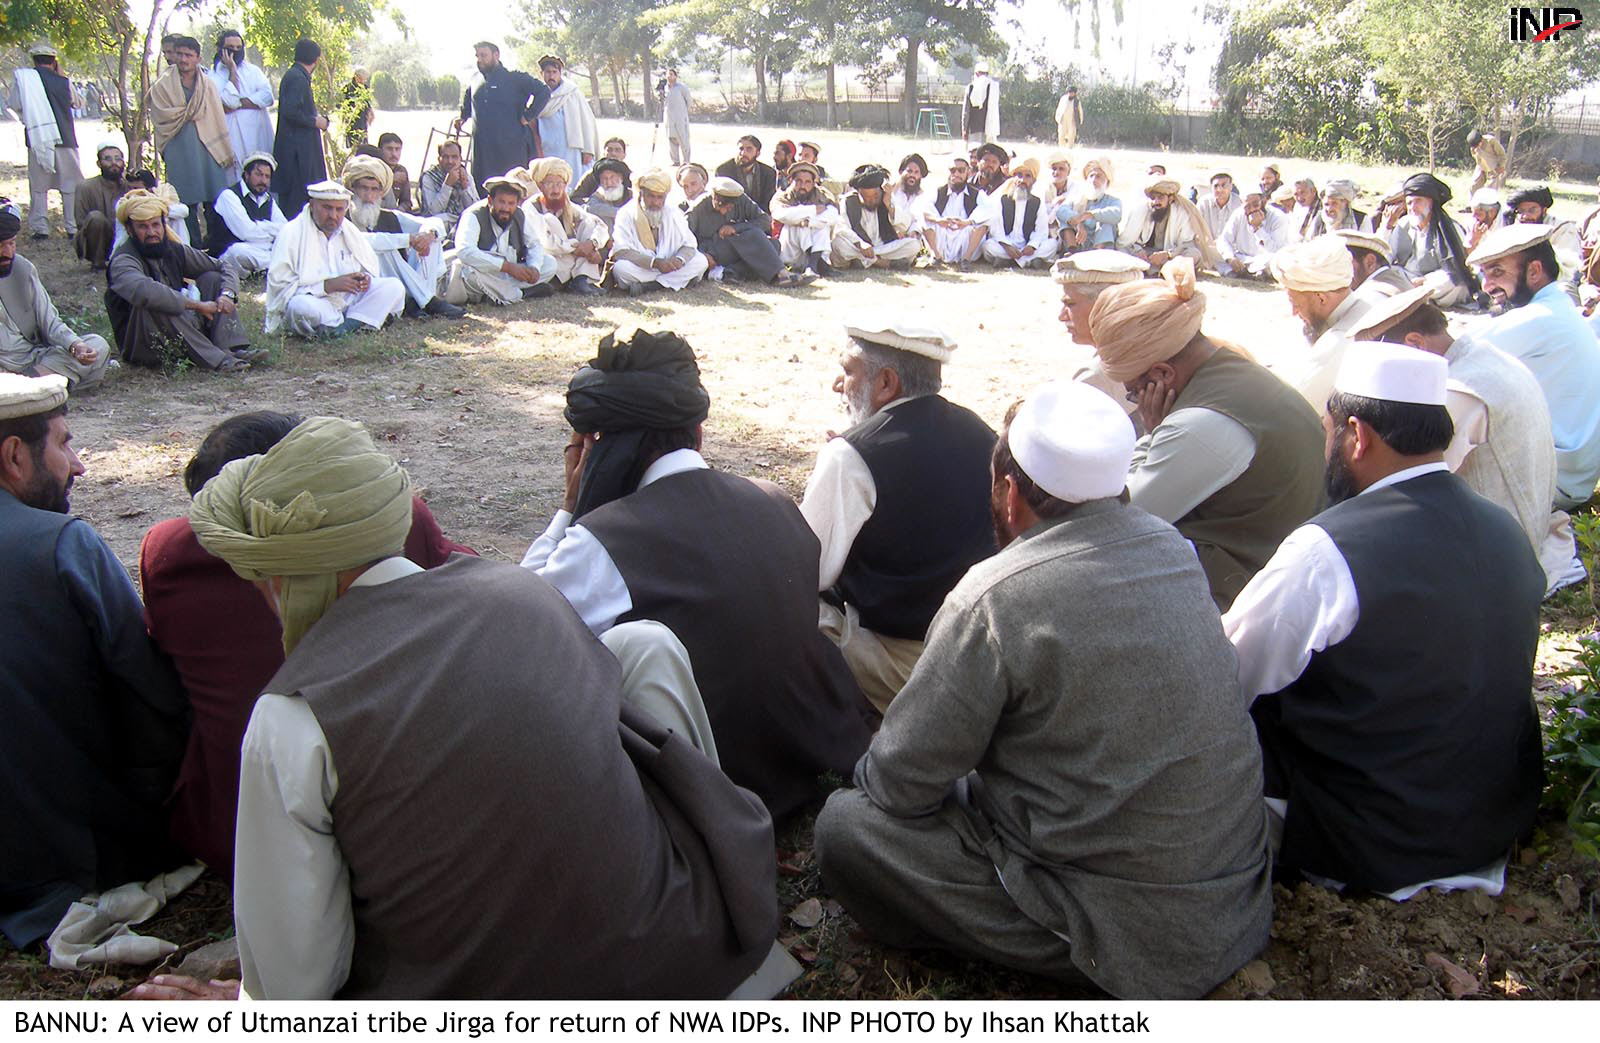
(473, 410)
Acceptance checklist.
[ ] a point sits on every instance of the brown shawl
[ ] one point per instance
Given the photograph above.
(170, 110)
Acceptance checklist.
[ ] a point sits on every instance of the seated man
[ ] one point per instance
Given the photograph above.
(1089, 216)
(574, 238)
(896, 501)
(1532, 207)
(1427, 243)
(1486, 210)
(1253, 234)
(759, 180)
(652, 244)
(953, 219)
(247, 219)
(731, 232)
(1019, 228)
(1337, 209)
(398, 196)
(1365, 623)
(1055, 191)
(1010, 808)
(1369, 253)
(95, 719)
(868, 235)
(909, 198)
(324, 280)
(808, 153)
(1316, 275)
(186, 593)
(990, 167)
(640, 871)
(616, 150)
(1172, 227)
(810, 218)
(500, 254)
(147, 301)
(649, 532)
(613, 189)
(447, 189)
(96, 204)
(33, 339)
(1220, 205)
(408, 248)
(693, 182)
(783, 155)
(1083, 277)
(1229, 454)
(1538, 325)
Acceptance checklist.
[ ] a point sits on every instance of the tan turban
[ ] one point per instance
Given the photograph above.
(543, 168)
(1136, 325)
(1011, 183)
(1163, 184)
(656, 180)
(1316, 266)
(319, 502)
(141, 205)
(358, 167)
(1102, 164)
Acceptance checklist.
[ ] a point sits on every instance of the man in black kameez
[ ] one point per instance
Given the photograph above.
(503, 108)
(298, 145)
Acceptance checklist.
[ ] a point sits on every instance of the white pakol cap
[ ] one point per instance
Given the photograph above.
(1393, 372)
(1073, 441)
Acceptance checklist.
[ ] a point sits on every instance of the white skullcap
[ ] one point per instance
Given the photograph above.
(258, 157)
(726, 187)
(1099, 266)
(1073, 441)
(1485, 196)
(1388, 312)
(110, 141)
(1393, 373)
(906, 336)
(328, 190)
(29, 396)
(1364, 241)
(1505, 240)
(1315, 266)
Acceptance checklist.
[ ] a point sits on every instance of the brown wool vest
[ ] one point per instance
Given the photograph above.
(510, 832)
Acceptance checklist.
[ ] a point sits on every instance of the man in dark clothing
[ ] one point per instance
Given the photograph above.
(617, 151)
(650, 532)
(95, 719)
(298, 144)
(760, 181)
(732, 232)
(96, 205)
(503, 109)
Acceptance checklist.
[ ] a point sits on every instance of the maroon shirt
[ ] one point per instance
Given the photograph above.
(226, 643)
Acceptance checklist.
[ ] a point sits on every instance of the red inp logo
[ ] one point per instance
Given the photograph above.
(1537, 24)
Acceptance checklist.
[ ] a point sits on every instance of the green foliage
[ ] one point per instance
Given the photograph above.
(447, 91)
(1571, 721)
(385, 89)
(427, 94)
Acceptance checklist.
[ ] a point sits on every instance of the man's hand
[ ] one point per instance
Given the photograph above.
(179, 987)
(322, 123)
(667, 264)
(1160, 257)
(727, 232)
(573, 459)
(520, 272)
(227, 306)
(83, 352)
(1155, 402)
(1011, 251)
(588, 251)
(1027, 252)
(207, 308)
(352, 283)
(422, 242)
(455, 125)
(246, 103)
(868, 252)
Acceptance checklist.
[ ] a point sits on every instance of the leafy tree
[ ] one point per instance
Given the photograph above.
(447, 91)
(385, 89)
(599, 36)
(837, 33)
(937, 27)
(773, 32)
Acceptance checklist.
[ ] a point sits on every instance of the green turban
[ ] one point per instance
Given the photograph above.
(319, 502)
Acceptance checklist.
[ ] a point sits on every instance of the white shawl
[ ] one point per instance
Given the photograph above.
(673, 236)
(979, 91)
(38, 117)
(294, 268)
(567, 102)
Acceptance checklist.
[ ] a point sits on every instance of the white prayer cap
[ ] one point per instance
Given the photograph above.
(258, 157)
(109, 141)
(42, 49)
(982, 67)
(515, 179)
(29, 396)
(1099, 266)
(1506, 240)
(1073, 441)
(906, 336)
(726, 188)
(1393, 373)
(1365, 241)
(1485, 196)
(1316, 266)
(328, 190)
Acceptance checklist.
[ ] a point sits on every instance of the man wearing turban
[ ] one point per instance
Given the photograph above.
(652, 244)
(648, 531)
(408, 248)
(33, 339)
(324, 280)
(809, 217)
(146, 301)
(1172, 227)
(1532, 207)
(1338, 208)
(1229, 454)
(500, 255)
(1018, 225)
(248, 219)
(410, 705)
(1426, 242)
(868, 235)
(1317, 277)
(574, 238)
(1089, 215)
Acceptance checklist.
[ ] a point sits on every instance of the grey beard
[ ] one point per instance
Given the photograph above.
(610, 195)
(653, 217)
(856, 404)
(365, 215)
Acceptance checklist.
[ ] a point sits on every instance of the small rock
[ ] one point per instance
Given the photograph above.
(1519, 913)
(216, 960)
(106, 986)
(1567, 891)
(807, 914)
(1457, 979)
(1256, 980)
(1481, 904)
(302, 393)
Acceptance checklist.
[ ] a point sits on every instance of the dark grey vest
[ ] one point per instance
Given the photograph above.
(1030, 214)
(969, 199)
(222, 236)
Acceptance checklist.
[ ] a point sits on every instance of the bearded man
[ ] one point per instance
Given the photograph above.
(810, 219)
(324, 280)
(731, 232)
(147, 303)
(408, 248)
(906, 202)
(96, 205)
(617, 152)
(447, 189)
(500, 254)
(760, 181)
(1317, 278)
(1307, 208)
(1172, 227)
(298, 144)
(652, 243)
(574, 238)
(503, 106)
(1532, 207)
(990, 167)
(613, 189)
(45, 99)
(868, 235)
(33, 339)
(567, 129)
(1370, 255)
(1427, 243)
(953, 219)
(1089, 216)
(246, 95)
(1338, 209)
(248, 219)
(1019, 229)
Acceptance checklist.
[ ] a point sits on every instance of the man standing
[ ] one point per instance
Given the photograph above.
(567, 129)
(1019, 229)
(1427, 243)
(980, 108)
(759, 180)
(89, 704)
(447, 189)
(896, 501)
(652, 245)
(1489, 156)
(246, 95)
(1013, 807)
(248, 219)
(191, 133)
(1365, 623)
(1230, 453)
(1538, 325)
(500, 257)
(1317, 278)
(147, 303)
(953, 222)
(1220, 205)
(33, 339)
(649, 532)
(503, 107)
(324, 280)
(96, 205)
(732, 232)
(408, 248)
(1172, 227)
(868, 235)
(676, 104)
(1253, 234)
(809, 217)
(1069, 117)
(573, 237)
(45, 98)
(298, 145)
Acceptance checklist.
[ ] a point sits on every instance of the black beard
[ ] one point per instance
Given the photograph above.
(1524, 292)
(5, 267)
(113, 173)
(151, 251)
(45, 495)
(997, 514)
(1337, 480)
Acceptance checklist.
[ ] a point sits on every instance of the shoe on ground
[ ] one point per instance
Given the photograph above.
(251, 354)
(39, 236)
(638, 289)
(411, 311)
(444, 309)
(583, 286)
(538, 291)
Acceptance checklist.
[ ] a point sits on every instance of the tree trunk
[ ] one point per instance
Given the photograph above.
(908, 100)
(761, 86)
(649, 85)
(833, 105)
(616, 91)
(594, 80)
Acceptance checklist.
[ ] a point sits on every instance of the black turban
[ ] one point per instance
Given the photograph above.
(649, 383)
(607, 163)
(868, 175)
(10, 225)
(1427, 185)
(999, 153)
(1540, 195)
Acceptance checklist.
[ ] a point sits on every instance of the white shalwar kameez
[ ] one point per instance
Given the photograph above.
(1045, 246)
(304, 258)
(561, 247)
(422, 274)
(253, 252)
(475, 274)
(806, 229)
(632, 253)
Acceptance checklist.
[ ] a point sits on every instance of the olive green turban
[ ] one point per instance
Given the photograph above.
(319, 502)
